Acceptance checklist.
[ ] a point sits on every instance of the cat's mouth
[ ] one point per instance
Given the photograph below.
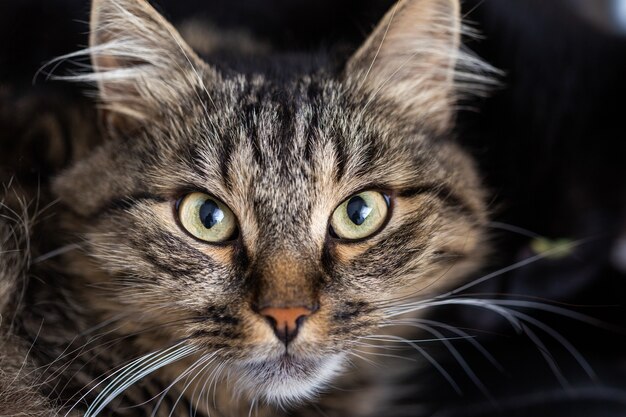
(288, 378)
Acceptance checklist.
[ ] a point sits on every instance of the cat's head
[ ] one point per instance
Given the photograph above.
(273, 220)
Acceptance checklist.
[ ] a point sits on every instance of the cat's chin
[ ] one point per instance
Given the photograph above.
(287, 380)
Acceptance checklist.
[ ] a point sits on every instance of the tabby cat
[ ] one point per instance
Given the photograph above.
(247, 234)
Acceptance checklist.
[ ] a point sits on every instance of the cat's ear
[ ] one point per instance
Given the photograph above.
(410, 59)
(142, 65)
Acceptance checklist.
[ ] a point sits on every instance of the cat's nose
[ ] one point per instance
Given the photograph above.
(286, 320)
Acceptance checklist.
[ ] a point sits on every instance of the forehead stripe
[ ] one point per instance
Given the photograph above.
(441, 192)
(125, 203)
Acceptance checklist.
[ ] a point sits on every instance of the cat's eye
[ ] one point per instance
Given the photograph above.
(206, 218)
(360, 216)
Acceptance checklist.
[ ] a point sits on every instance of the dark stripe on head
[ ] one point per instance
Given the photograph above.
(286, 132)
(126, 203)
(351, 309)
(220, 314)
(342, 156)
(310, 135)
(368, 155)
(156, 247)
(248, 115)
(441, 192)
(225, 157)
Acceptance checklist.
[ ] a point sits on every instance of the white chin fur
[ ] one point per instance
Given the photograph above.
(288, 384)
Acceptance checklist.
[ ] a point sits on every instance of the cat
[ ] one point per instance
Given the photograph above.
(250, 231)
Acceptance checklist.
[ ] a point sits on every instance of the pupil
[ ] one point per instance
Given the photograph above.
(210, 214)
(358, 210)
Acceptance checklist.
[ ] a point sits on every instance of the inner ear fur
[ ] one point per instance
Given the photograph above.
(141, 63)
(410, 59)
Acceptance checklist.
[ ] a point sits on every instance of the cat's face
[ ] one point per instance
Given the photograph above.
(272, 220)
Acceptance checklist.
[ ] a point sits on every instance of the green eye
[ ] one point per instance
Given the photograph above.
(360, 216)
(206, 218)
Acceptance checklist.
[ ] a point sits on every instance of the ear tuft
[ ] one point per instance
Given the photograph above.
(414, 59)
(141, 64)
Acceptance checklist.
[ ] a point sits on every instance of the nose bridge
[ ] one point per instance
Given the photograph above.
(286, 279)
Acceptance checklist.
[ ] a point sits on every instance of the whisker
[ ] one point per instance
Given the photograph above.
(546, 254)
(385, 355)
(57, 252)
(194, 411)
(216, 375)
(81, 350)
(469, 12)
(563, 341)
(547, 355)
(458, 357)
(131, 373)
(25, 360)
(384, 338)
(431, 360)
(557, 249)
(164, 392)
(202, 365)
(140, 373)
(514, 229)
(369, 69)
(463, 335)
(517, 320)
(583, 318)
(371, 362)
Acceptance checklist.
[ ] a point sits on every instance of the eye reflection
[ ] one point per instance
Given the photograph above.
(358, 210)
(210, 214)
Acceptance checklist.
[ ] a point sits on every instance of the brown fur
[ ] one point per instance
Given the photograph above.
(282, 151)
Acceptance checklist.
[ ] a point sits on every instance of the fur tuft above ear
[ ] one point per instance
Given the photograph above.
(413, 58)
(141, 64)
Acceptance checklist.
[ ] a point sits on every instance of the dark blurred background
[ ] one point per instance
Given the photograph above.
(551, 144)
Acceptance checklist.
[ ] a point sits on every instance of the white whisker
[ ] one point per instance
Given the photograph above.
(431, 360)
(513, 229)
(458, 357)
(517, 265)
(547, 355)
(463, 335)
(57, 252)
(202, 364)
(518, 320)
(131, 373)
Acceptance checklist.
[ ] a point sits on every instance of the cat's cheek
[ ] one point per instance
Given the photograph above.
(347, 253)
(260, 340)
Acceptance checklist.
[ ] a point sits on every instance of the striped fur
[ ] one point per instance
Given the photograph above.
(282, 149)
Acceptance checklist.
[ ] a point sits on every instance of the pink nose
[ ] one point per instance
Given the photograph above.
(286, 320)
